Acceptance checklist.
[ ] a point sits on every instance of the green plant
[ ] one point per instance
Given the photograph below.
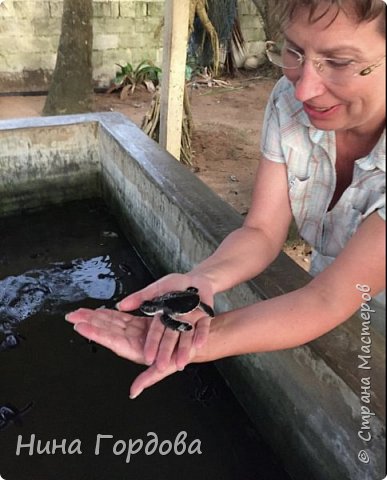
(192, 67)
(128, 78)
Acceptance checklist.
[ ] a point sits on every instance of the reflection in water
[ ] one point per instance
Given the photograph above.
(9, 413)
(44, 290)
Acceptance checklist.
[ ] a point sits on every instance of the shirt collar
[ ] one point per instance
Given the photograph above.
(375, 159)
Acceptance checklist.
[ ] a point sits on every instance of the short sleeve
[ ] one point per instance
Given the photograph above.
(382, 212)
(271, 133)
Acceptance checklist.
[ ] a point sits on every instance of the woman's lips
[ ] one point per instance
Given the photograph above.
(320, 112)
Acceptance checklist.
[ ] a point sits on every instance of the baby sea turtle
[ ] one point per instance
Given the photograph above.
(11, 340)
(174, 304)
(9, 413)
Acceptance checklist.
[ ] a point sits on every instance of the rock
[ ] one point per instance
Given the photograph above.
(254, 61)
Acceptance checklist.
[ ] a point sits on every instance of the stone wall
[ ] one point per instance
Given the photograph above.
(124, 31)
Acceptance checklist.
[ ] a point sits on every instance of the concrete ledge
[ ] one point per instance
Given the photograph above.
(47, 165)
(309, 402)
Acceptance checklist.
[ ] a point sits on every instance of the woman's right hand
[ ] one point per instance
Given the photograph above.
(161, 342)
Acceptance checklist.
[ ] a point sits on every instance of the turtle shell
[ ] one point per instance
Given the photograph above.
(175, 303)
(180, 303)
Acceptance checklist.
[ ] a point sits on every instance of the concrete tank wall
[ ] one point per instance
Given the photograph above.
(49, 166)
(308, 402)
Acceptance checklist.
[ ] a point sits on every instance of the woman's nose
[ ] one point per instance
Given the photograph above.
(309, 83)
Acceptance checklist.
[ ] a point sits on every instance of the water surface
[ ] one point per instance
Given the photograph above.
(52, 262)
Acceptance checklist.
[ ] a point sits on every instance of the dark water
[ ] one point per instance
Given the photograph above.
(59, 393)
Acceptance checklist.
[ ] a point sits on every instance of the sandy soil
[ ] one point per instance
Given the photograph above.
(228, 123)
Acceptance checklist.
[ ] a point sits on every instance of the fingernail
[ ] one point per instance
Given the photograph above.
(117, 306)
(75, 326)
(67, 317)
(133, 397)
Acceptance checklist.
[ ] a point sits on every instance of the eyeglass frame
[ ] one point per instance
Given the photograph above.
(317, 61)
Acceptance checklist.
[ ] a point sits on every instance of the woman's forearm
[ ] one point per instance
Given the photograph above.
(241, 256)
(300, 316)
(250, 249)
(284, 322)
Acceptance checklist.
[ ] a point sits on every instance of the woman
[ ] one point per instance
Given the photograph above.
(324, 164)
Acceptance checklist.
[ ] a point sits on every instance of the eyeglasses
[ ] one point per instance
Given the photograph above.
(335, 70)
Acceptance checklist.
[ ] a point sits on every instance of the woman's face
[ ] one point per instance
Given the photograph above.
(358, 104)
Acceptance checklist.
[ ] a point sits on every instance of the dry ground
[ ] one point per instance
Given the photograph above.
(227, 121)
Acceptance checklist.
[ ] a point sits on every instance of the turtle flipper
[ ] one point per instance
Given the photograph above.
(203, 306)
(207, 309)
(173, 324)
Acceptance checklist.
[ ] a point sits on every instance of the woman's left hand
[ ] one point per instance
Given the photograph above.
(125, 335)
(162, 343)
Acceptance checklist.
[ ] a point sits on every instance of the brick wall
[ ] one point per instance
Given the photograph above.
(124, 31)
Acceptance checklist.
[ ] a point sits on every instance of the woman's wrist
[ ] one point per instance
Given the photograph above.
(217, 345)
(206, 278)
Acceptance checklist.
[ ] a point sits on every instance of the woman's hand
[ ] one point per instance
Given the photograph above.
(162, 343)
(125, 335)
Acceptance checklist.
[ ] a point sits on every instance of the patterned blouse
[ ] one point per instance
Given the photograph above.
(288, 137)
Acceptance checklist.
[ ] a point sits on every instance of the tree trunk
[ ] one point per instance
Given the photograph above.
(71, 89)
(266, 10)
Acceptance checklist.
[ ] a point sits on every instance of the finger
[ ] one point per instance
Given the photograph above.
(100, 317)
(166, 348)
(160, 287)
(202, 331)
(134, 300)
(148, 378)
(80, 315)
(153, 339)
(185, 349)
